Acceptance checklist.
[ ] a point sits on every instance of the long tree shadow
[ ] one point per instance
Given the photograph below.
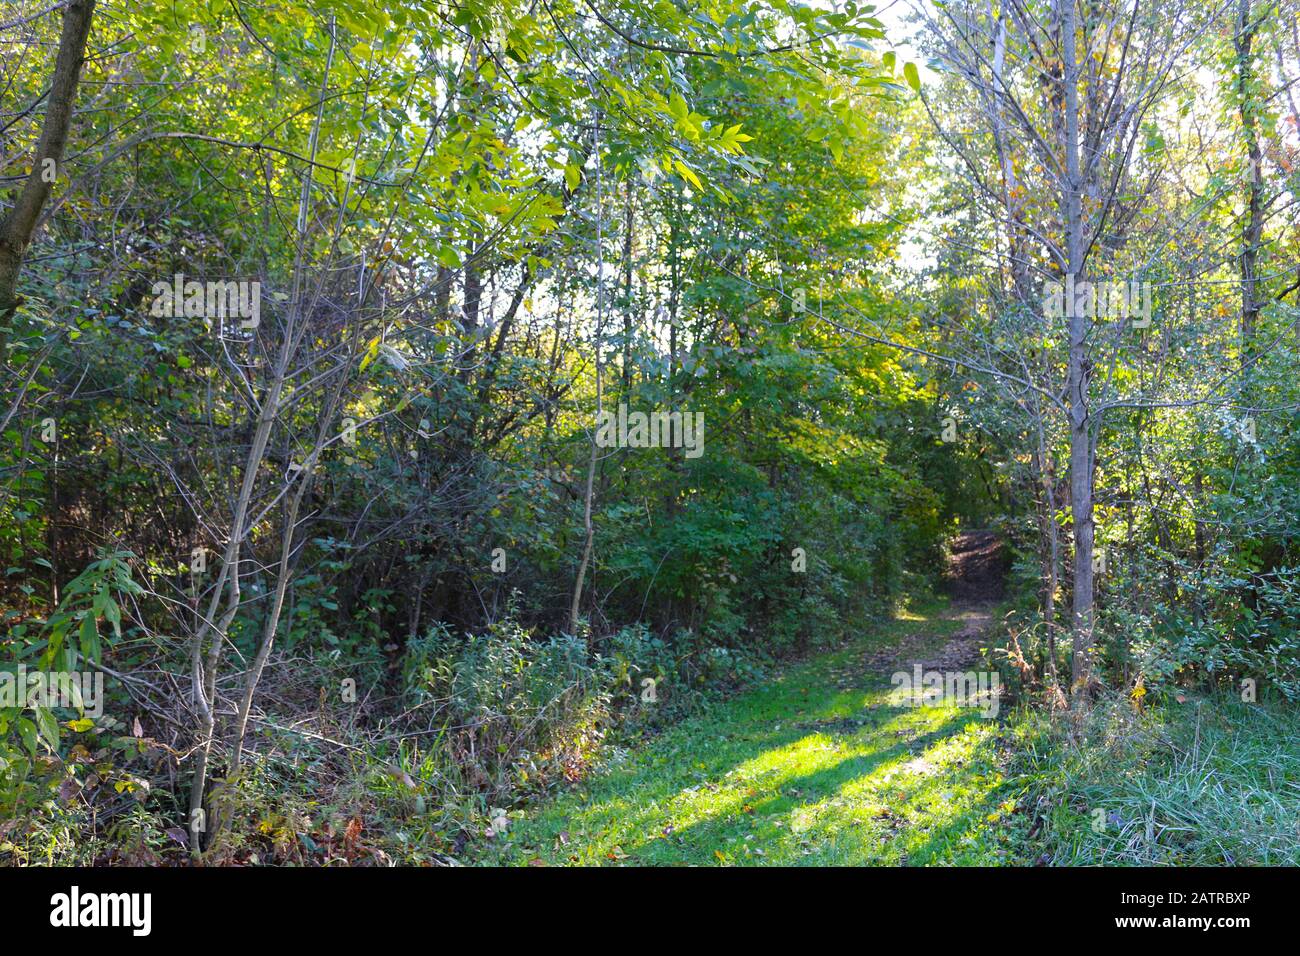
(810, 753)
(814, 789)
(742, 786)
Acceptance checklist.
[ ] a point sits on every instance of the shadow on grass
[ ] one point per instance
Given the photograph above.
(817, 793)
(788, 796)
(803, 769)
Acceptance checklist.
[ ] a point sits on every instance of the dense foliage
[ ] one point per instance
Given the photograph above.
(325, 326)
(472, 229)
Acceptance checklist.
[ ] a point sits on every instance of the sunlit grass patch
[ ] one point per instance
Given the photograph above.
(816, 767)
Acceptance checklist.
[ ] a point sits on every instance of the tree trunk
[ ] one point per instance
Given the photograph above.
(1081, 454)
(588, 528)
(17, 228)
(1243, 42)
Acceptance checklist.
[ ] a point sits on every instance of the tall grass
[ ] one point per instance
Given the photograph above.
(1206, 781)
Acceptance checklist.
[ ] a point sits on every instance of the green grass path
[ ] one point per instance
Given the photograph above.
(817, 766)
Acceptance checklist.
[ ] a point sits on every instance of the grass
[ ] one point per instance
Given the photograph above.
(1209, 781)
(821, 767)
(818, 767)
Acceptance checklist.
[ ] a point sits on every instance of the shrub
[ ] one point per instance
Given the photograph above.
(514, 710)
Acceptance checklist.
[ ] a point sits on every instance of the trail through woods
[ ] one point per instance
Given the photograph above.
(822, 764)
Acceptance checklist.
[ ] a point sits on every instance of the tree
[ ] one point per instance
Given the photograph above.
(20, 222)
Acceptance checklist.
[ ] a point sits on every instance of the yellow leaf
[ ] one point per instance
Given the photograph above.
(688, 174)
(372, 350)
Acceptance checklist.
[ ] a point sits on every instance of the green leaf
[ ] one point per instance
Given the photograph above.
(113, 614)
(912, 76)
(90, 648)
(27, 731)
(48, 726)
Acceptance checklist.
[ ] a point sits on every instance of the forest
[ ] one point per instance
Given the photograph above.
(649, 432)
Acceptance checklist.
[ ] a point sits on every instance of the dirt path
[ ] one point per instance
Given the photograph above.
(976, 582)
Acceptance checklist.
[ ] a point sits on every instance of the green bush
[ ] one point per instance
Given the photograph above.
(512, 708)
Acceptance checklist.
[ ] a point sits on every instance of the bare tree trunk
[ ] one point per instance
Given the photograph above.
(588, 528)
(204, 673)
(1010, 193)
(1253, 230)
(1050, 547)
(627, 293)
(600, 322)
(1081, 452)
(272, 622)
(205, 676)
(17, 228)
